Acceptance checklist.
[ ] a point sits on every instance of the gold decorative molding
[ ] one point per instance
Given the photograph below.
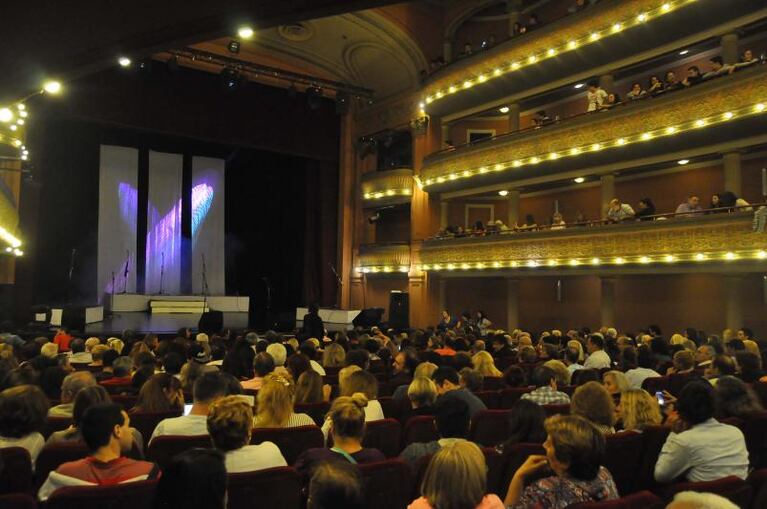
(384, 258)
(387, 187)
(706, 105)
(721, 237)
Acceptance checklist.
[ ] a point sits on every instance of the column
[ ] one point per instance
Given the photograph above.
(607, 304)
(729, 44)
(514, 9)
(445, 134)
(732, 172)
(513, 117)
(608, 192)
(607, 82)
(733, 302)
(444, 208)
(513, 207)
(512, 304)
(442, 295)
(447, 51)
(347, 203)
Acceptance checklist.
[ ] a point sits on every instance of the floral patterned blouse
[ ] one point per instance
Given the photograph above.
(559, 492)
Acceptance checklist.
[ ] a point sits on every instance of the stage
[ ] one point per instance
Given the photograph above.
(143, 323)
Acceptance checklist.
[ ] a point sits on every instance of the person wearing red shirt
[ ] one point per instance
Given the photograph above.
(62, 339)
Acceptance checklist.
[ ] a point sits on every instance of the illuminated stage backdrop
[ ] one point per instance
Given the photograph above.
(163, 238)
(208, 224)
(118, 173)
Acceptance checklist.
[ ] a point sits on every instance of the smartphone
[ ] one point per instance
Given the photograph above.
(187, 409)
(660, 398)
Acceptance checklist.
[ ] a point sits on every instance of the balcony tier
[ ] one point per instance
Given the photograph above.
(390, 187)
(384, 258)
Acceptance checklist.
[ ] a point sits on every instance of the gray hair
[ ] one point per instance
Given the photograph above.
(75, 382)
(122, 366)
(693, 499)
(278, 353)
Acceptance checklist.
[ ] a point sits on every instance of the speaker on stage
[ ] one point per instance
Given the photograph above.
(211, 322)
(73, 318)
(399, 310)
(368, 317)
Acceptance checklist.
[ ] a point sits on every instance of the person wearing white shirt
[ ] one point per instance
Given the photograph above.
(359, 381)
(596, 96)
(23, 412)
(207, 389)
(700, 448)
(230, 424)
(598, 358)
(638, 364)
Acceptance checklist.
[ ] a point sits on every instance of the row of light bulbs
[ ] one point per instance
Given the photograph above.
(377, 195)
(672, 130)
(573, 44)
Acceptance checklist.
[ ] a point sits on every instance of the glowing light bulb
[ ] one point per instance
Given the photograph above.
(553, 156)
(642, 18)
(483, 170)
(575, 151)
(619, 261)
(498, 167)
(595, 261)
(533, 160)
(553, 263)
(666, 7)
(643, 259)
(532, 264)
(670, 130)
(429, 99)
(730, 255)
(503, 192)
(532, 59)
(6, 115)
(467, 84)
(759, 107)
(572, 44)
(497, 71)
(596, 147)
(579, 180)
(496, 264)
(700, 123)
(621, 141)
(617, 27)
(124, 61)
(504, 109)
(517, 163)
(594, 36)
(574, 263)
(515, 66)
(52, 87)
(646, 136)
(670, 258)
(452, 89)
(245, 32)
(551, 52)
(482, 78)
(700, 257)
(728, 115)
(761, 254)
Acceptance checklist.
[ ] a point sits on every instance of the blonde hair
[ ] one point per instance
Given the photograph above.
(117, 345)
(344, 374)
(574, 343)
(422, 390)
(425, 369)
(360, 381)
(274, 402)
(49, 350)
(619, 379)
(639, 409)
(230, 422)
(752, 347)
(561, 373)
(333, 356)
(456, 477)
(592, 402)
(93, 341)
(308, 388)
(347, 415)
(483, 362)
(677, 339)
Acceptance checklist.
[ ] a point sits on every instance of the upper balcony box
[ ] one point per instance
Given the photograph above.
(389, 187)
(610, 35)
(724, 113)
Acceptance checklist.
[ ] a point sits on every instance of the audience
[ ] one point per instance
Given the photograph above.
(598, 358)
(23, 410)
(525, 425)
(422, 393)
(275, 404)
(592, 402)
(448, 387)
(70, 387)
(194, 479)
(638, 409)
(161, 393)
(336, 485)
(546, 393)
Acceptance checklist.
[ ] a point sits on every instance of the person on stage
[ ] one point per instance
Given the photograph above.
(313, 325)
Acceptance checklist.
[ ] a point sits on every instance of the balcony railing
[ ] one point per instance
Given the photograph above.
(390, 187)
(702, 239)
(720, 110)
(391, 258)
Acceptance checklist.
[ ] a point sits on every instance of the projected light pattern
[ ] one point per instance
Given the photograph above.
(202, 197)
(128, 200)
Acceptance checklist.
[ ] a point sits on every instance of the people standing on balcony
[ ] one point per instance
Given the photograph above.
(467, 51)
(671, 82)
(580, 219)
(518, 29)
(596, 96)
(541, 119)
(693, 76)
(645, 210)
(690, 207)
(528, 225)
(655, 87)
(483, 323)
(747, 59)
(718, 68)
(611, 101)
(578, 6)
(558, 222)
(618, 211)
(446, 322)
(637, 92)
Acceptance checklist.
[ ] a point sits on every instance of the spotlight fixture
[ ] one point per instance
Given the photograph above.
(503, 192)
(245, 32)
(6, 115)
(504, 109)
(52, 87)
(682, 162)
(578, 85)
(579, 180)
(124, 61)
(230, 78)
(233, 46)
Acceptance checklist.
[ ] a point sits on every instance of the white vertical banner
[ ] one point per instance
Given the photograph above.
(118, 213)
(163, 236)
(208, 225)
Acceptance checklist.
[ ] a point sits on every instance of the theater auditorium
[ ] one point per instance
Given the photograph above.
(379, 254)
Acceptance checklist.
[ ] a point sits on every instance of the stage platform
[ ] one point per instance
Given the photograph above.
(133, 303)
(334, 319)
(144, 322)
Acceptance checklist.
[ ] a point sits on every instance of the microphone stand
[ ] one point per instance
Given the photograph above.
(112, 299)
(338, 278)
(125, 272)
(204, 283)
(162, 270)
(69, 276)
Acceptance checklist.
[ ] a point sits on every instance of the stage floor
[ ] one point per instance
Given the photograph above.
(158, 324)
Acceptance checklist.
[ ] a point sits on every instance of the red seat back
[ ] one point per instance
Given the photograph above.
(387, 484)
(654, 438)
(623, 453)
(563, 409)
(639, 500)
(127, 401)
(493, 383)
(162, 449)
(316, 411)
(55, 454)
(383, 435)
(291, 441)
(53, 424)
(758, 482)
(420, 428)
(489, 427)
(755, 430)
(18, 501)
(733, 488)
(655, 384)
(491, 399)
(273, 487)
(495, 463)
(511, 395)
(16, 474)
(133, 495)
(513, 458)
(146, 422)
(393, 408)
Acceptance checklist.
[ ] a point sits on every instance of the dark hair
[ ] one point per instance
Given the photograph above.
(472, 379)
(445, 373)
(109, 357)
(583, 376)
(526, 423)
(99, 422)
(336, 485)
(452, 417)
(750, 366)
(77, 345)
(86, 398)
(263, 364)
(571, 355)
(724, 364)
(542, 376)
(733, 398)
(597, 341)
(210, 386)
(696, 402)
(515, 376)
(747, 332)
(296, 364)
(645, 357)
(23, 410)
(194, 479)
(593, 83)
(173, 362)
(716, 60)
(51, 379)
(584, 457)
(357, 357)
(736, 345)
(462, 360)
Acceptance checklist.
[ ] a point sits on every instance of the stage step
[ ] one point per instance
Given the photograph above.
(168, 306)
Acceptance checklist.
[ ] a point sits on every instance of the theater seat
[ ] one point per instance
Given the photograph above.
(758, 482)
(513, 458)
(134, 495)
(274, 487)
(495, 463)
(316, 411)
(55, 454)
(511, 395)
(490, 427)
(733, 488)
(755, 430)
(127, 401)
(387, 484)
(146, 422)
(162, 449)
(563, 409)
(18, 501)
(655, 384)
(654, 438)
(623, 453)
(392, 408)
(420, 428)
(639, 500)
(291, 441)
(492, 383)
(53, 424)
(383, 435)
(16, 474)
(491, 398)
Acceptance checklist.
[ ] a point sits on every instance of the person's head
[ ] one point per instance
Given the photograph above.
(446, 379)
(593, 86)
(638, 409)
(49, 350)
(704, 353)
(334, 356)
(422, 392)
(360, 381)
(526, 423)
(336, 485)
(161, 393)
(121, 367)
(274, 401)
(636, 88)
(696, 402)
(615, 382)
(471, 379)
(203, 469)
(74, 383)
(698, 500)
(528, 355)
(592, 402)
(561, 373)
(278, 352)
(308, 388)
(693, 71)
(210, 386)
(172, 362)
(693, 201)
(670, 77)
(733, 398)
(544, 377)
(263, 364)
(106, 425)
(515, 376)
(654, 79)
(77, 345)
(748, 56)
(595, 343)
(745, 333)
(452, 418)
(645, 357)
(484, 363)
(456, 477)
(573, 446)
(347, 417)
(426, 369)
(571, 355)
(358, 357)
(716, 63)
(230, 422)
(23, 410)
(297, 364)
(86, 398)
(684, 360)
(722, 365)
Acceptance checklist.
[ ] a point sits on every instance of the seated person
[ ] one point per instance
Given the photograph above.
(347, 427)
(525, 425)
(106, 431)
(72, 384)
(107, 358)
(693, 76)
(456, 477)
(449, 387)
(79, 355)
(121, 372)
(636, 92)
(335, 484)
(23, 411)
(718, 68)
(161, 393)
(422, 393)
(355, 381)
(700, 448)
(541, 118)
(645, 209)
(546, 393)
(618, 211)
(671, 82)
(528, 225)
(202, 469)
(452, 420)
(656, 86)
(690, 207)
(471, 379)
(207, 389)
(275, 404)
(230, 424)
(574, 453)
(638, 409)
(746, 60)
(592, 402)
(557, 222)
